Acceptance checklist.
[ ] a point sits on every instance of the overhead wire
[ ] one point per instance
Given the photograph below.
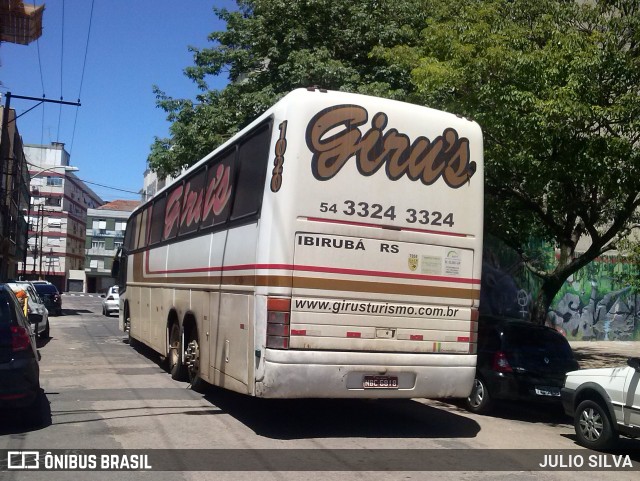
(84, 66)
(61, 73)
(109, 187)
(43, 95)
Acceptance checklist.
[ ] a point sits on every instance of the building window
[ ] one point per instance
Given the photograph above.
(54, 181)
(53, 201)
(97, 244)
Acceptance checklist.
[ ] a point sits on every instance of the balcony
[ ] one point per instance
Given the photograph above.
(117, 234)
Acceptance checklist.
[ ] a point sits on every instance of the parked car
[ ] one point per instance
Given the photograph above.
(37, 313)
(111, 302)
(50, 295)
(604, 403)
(19, 357)
(518, 361)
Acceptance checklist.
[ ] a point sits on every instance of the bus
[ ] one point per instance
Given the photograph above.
(330, 249)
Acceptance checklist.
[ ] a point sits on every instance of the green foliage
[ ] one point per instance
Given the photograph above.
(630, 249)
(555, 85)
(271, 47)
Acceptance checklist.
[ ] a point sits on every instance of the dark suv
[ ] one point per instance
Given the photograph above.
(19, 357)
(51, 297)
(518, 360)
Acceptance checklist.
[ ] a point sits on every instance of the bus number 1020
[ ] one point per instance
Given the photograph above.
(377, 211)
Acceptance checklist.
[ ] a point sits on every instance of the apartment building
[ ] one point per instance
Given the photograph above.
(14, 196)
(105, 233)
(57, 217)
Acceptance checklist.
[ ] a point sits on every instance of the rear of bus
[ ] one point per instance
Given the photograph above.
(371, 235)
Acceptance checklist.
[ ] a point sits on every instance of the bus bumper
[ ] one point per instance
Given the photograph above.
(318, 374)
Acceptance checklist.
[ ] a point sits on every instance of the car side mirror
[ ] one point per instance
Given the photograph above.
(634, 362)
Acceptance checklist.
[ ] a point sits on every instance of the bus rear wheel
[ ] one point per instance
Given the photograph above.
(175, 366)
(192, 362)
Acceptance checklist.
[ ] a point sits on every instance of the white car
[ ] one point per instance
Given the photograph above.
(111, 302)
(604, 403)
(37, 313)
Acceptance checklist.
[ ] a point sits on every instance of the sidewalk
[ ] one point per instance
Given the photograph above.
(593, 354)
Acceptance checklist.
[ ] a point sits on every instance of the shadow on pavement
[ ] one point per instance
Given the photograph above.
(324, 418)
(22, 420)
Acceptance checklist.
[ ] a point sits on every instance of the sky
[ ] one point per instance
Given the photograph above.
(132, 45)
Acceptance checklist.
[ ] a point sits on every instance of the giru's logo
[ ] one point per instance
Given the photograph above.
(446, 156)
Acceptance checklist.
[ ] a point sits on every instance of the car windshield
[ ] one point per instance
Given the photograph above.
(46, 288)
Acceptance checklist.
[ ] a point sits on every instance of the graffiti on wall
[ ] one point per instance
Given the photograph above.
(593, 304)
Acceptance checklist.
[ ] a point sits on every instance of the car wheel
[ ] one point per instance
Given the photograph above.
(45, 334)
(593, 426)
(174, 359)
(479, 401)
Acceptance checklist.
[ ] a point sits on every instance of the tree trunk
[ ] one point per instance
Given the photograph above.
(542, 302)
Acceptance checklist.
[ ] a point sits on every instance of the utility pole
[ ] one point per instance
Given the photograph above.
(40, 233)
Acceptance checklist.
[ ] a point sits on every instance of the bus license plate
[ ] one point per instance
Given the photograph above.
(380, 382)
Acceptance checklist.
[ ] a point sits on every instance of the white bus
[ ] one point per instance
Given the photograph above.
(332, 248)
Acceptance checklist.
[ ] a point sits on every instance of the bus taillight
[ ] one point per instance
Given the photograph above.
(278, 329)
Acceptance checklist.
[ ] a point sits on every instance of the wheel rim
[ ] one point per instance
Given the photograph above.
(591, 424)
(174, 345)
(477, 394)
(192, 359)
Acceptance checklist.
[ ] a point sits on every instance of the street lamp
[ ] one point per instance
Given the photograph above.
(35, 251)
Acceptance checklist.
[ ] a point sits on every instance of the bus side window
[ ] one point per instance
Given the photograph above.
(130, 233)
(157, 220)
(172, 212)
(192, 201)
(218, 190)
(141, 238)
(253, 157)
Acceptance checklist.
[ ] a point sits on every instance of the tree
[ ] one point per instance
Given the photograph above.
(555, 86)
(271, 47)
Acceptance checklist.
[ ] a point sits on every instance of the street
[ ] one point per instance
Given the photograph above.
(105, 395)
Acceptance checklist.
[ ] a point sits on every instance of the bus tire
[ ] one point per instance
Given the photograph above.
(127, 327)
(175, 365)
(192, 363)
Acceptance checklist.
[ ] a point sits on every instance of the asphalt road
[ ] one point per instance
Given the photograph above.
(104, 395)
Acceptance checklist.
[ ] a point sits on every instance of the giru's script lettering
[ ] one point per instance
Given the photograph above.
(203, 202)
(334, 137)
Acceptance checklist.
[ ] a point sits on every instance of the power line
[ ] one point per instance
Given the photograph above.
(61, 72)
(109, 187)
(40, 66)
(84, 66)
(43, 94)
